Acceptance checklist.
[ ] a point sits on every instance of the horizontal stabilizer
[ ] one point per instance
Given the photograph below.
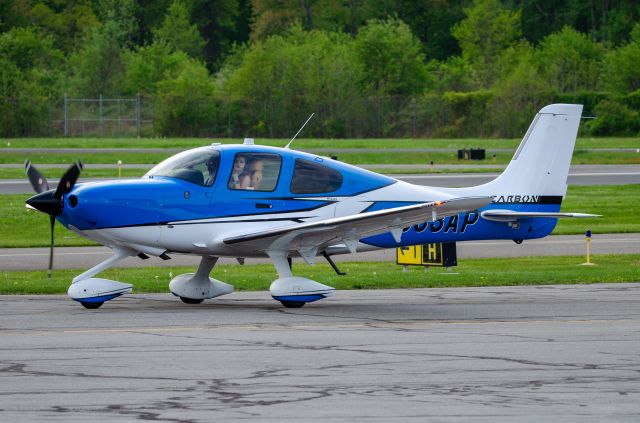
(511, 216)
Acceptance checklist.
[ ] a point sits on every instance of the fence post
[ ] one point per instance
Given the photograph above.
(66, 115)
(100, 114)
(414, 117)
(138, 115)
(379, 117)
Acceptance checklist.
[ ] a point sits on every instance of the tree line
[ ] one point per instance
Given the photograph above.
(377, 68)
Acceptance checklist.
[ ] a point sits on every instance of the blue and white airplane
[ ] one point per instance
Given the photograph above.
(256, 201)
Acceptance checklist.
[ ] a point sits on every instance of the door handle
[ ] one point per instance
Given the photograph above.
(263, 206)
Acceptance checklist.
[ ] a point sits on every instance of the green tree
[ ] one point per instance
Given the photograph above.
(98, 69)
(431, 22)
(541, 18)
(30, 75)
(185, 103)
(272, 17)
(486, 31)
(147, 66)
(280, 81)
(455, 74)
(123, 13)
(223, 23)
(569, 61)
(392, 57)
(613, 117)
(149, 15)
(622, 66)
(67, 23)
(178, 33)
(519, 92)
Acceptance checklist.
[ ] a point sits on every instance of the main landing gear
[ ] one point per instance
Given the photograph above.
(195, 288)
(294, 291)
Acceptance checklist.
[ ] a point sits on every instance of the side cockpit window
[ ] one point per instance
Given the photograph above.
(255, 171)
(196, 166)
(314, 178)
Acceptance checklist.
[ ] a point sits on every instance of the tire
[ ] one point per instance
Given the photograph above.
(293, 304)
(92, 305)
(191, 300)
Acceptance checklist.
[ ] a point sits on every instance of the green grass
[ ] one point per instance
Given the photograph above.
(54, 174)
(428, 170)
(22, 227)
(619, 205)
(301, 143)
(87, 158)
(601, 157)
(472, 272)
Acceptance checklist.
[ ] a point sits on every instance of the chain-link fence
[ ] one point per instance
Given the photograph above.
(444, 115)
(148, 116)
(101, 117)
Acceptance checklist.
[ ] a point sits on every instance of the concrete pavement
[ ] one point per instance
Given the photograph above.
(527, 354)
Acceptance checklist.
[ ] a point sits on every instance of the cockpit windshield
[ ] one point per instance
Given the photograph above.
(198, 166)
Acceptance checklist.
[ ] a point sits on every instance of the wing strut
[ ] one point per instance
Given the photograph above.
(333, 265)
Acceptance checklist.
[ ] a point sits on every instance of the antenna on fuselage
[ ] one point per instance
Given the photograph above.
(301, 128)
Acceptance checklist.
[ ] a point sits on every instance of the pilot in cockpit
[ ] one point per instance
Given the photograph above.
(212, 167)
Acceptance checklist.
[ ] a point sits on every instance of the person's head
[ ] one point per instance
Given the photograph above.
(256, 178)
(212, 164)
(244, 180)
(256, 164)
(239, 163)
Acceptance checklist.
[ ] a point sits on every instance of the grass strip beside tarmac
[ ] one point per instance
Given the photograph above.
(619, 205)
(376, 275)
(54, 174)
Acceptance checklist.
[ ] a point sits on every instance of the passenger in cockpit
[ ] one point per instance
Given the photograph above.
(256, 167)
(244, 181)
(238, 167)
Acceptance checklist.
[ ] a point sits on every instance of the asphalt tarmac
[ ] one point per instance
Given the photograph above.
(512, 354)
(556, 245)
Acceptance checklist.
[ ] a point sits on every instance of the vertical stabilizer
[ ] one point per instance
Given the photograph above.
(540, 165)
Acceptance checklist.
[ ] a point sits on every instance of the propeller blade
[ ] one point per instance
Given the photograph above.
(68, 180)
(38, 182)
(53, 223)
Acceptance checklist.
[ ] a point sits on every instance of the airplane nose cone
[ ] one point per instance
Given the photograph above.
(46, 202)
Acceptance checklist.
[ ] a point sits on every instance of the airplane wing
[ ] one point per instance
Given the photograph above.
(309, 238)
(512, 216)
